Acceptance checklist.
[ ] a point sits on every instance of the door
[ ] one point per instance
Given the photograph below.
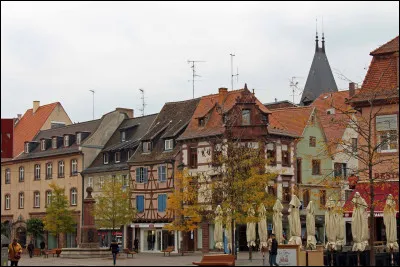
(158, 240)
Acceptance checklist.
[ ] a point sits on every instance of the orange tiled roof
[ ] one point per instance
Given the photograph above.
(292, 119)
(389, 47)
(29, 125)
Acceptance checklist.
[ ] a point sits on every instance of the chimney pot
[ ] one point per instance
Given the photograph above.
(127, 111)
(222, 93)
(36, 105)
(352, 89)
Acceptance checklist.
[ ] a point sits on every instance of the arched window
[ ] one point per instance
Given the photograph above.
(8, 176)
(21, 200)
(36, 199)
(7, 201)
(74, 167)
(61, 169)
(49, 170)
(48, 197)
(37, 171)
(21, 174)
(74, 196)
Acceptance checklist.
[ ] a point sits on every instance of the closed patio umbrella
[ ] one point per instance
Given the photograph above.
(251, 230)
(389, 218)
(262, 226)
(330, 224)
(277, 221)
(340, 234)
(359, 225)
(294, 221)
(228, 228)
(218, 238)
(310, 223)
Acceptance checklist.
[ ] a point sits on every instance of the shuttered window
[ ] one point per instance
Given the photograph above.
(162, 202)
(162, 175)
(140, 203)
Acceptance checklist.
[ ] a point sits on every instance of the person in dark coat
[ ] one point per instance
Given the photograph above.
(114, 250)
(42, 247)
(30, 249)
(136, 244)
(274, 251)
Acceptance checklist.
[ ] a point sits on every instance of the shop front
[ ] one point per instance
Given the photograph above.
(153, 238)
(106, 237)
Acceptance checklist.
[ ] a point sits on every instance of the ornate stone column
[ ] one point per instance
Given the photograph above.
(89, 231)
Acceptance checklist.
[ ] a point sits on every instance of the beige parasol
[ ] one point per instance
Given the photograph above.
(228, 228)
(340, 233)
(277, 221)
(251, 229)
(294, 221)
(218, 238)
(262, 226)
(389, 218)
(310, 223)
(359, 225)
(330, 224)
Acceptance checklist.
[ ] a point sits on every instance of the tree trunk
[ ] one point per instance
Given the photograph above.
(371, 219)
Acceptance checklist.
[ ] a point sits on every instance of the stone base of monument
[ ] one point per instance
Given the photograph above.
(79, 253)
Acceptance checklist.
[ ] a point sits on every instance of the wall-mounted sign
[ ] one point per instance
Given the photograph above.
(287, 256)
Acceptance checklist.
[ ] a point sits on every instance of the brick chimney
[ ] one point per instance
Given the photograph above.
(222, 93)
(352, 89)
(127, 111)
(36, 105)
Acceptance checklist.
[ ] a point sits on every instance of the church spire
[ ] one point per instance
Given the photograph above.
(323, 38)
(316, 35)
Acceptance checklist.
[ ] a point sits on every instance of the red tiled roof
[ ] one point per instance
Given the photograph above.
(292, 119)
(389, 47)
(381, 191)
(29, 125)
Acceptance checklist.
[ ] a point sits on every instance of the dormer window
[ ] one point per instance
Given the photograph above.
(202, 122)
(43, 145)
(245, 117)
(169, 144)
(105, 158)
(66, 140)
(78, 138)
(330, 111)
(26, 147)
(264, 119)
(117, 157)
(54, 142)
(123, 135)
(146, 147)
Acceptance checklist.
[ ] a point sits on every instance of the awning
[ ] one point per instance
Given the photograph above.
(381, 191)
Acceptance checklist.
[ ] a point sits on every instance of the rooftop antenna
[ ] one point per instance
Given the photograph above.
(93, 101)
(143, 103)
(293, 84)
(194, 71)
(237, 71)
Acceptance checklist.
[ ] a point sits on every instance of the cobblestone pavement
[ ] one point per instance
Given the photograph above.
(141, 259)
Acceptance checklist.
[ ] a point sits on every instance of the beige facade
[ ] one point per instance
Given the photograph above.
(57, 115)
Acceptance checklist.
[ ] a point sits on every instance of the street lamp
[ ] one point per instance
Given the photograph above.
(182, 219)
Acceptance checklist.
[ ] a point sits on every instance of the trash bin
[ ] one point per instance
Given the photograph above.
(5, 241)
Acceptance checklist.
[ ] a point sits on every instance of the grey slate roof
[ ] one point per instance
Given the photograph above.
(320, 78)
(135, 128)
(88, 126)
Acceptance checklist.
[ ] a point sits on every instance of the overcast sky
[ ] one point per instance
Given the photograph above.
(58, 51)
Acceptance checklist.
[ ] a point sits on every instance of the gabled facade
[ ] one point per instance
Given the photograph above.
(152, 168)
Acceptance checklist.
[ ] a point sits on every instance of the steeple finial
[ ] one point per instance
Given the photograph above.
(323, 38)
(316, 35)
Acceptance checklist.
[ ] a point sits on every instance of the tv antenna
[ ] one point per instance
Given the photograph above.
(237, 71)
(294, 85)
(143, 103)
(93, 101)
(194, 71)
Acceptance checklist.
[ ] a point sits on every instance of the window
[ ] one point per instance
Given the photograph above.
(313, 119)
(123, 136)
(330, 111)
(26, 147)
(36, 199)
(7, 201)
(21, 174)
(125, 180)
(74, 197)
(37, 171)
(322, 198)
(66, 140)
(316, 167)
(146, 147)
(354, 144)
(169, 144)
(340, 170)
(245, 117)
(90, 182)
(61, 169)
(306, 198)
(299, 170)
(140, 203)
(48, 197)
(78, 138)
(49, 170)
(117, 157)
(162, 175)
(162, 202)
(21, 200)
(285, 155)
(271, 190)
(387, 133)
(193, 157)
(8, 176)
(43, 145)
(286, 194)
(271, 154)
(264, 119)
(202, 122)
(141, 175)
(105, 158)
(54, 142)
(313, 141)
(74, 167)
(101, 182)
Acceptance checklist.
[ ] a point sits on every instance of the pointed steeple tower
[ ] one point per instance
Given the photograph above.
(320, 77)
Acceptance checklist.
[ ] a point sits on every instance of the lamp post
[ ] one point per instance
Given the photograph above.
(182, 219)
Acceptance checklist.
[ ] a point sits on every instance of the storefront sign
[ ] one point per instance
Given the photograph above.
(148, 225)
(151, 225)
(287, 257)
(117, 233)
(386, 175)
(376, 214)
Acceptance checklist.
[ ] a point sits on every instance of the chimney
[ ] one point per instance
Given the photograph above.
(36, 105)
(127, 111)
(19, 116)
(222, 93)
(352, 89)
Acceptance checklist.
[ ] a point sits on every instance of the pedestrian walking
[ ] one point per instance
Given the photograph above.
(114, 250)
(30, 249)
(14, 252)
(269, 250)
(42, 247)
(274, 251)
